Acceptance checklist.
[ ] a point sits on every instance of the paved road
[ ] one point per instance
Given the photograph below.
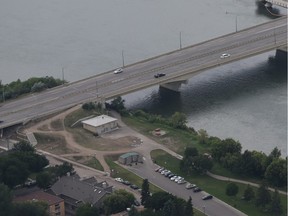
(178, 65)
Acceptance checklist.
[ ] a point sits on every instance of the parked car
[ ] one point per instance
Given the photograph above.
(157, 169)
(159, 75)
(178, 179)
(119, 180)
(126, 183)
(171, 175)
(207, 197)
(173, 178)
(197, 189)
(181, 181)
(135, 187)
(190, 186)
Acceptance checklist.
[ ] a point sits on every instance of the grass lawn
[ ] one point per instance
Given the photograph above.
(213, 186)
(94, 163)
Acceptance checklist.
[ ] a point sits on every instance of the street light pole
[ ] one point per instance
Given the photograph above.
(3, 93)
(180, 41)
(62, 75)
(236, 23)
(123, 58)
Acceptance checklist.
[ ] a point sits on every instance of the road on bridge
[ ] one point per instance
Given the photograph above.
(178, 65)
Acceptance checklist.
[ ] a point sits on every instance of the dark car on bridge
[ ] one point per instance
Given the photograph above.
(159, 75)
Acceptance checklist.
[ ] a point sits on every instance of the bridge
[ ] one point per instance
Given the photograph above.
(178, 66)
(281, 3)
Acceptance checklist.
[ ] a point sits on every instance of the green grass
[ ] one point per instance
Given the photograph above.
(213, 186)
(94, 163)
(175, 139)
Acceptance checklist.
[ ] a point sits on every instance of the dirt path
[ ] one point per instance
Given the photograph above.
(146, 146)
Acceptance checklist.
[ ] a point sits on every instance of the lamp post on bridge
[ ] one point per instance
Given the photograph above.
(123, 58)
(180, 40)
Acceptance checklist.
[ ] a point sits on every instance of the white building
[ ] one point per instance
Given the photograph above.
(100, 124)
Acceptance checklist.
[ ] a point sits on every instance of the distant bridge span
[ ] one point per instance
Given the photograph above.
(178, 66)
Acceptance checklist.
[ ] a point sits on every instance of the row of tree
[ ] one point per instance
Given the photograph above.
(19, 163)
(34, 84)
(262, 198)
(255, 164)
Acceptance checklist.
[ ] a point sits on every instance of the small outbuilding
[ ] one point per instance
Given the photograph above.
(100, 124)
(130, 157)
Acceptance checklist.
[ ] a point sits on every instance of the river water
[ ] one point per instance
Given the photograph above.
(245, 100)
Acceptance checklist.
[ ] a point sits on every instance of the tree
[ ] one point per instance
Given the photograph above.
(118, 201)
(157, 200)
(226, 146)
(191, 152)
(275, 153)
(87, 210)
(189, 207)
(248, 193)
(63, 169)
(145, 193)
(275, 207)
(133, 211)
(118, 104)
(179, 120)
(276, 173)
(5, 200)
(12, 171)
(169, 208)
(201, 164)
(263, 196)
(30, 208)
(203, 136)
(232, 189)
(23, 146)
(44, 180)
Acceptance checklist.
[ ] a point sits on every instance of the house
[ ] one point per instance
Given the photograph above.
(76, 192)
(56, 205)
(100, 124)
(130, 157)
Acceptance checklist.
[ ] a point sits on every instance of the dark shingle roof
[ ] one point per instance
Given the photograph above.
(79, 190)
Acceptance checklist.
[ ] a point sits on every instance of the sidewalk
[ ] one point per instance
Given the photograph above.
(223, 178)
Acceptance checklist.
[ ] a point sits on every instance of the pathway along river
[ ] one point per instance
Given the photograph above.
(246, 100)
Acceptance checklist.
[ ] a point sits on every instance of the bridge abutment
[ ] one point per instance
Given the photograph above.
(173, 86)
(281, 54)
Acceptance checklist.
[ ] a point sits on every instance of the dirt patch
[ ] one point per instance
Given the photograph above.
(53, 143)
(57, 125)
(44, 128)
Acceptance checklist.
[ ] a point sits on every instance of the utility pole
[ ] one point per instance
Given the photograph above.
(180, 40)
(236, 23)
(123, 58)
(62, 75)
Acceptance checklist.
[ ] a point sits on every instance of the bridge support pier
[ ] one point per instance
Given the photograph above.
(281, 54)
(173, 86)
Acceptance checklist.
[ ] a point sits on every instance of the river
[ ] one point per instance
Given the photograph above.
(245, 100)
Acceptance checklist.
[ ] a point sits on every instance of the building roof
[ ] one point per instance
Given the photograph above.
(39, 196)
(129, 154)
(79, 190)
(99, 120)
